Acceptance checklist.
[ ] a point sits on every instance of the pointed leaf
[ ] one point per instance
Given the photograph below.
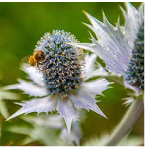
(29, 88)
(95, 87)
(67, 110)
(38, 105)
(86, 101)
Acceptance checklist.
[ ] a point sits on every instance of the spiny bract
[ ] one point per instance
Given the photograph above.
(62, 67)
(121, 47)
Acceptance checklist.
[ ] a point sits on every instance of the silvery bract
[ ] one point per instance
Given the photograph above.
(121, 47)
(68, 108)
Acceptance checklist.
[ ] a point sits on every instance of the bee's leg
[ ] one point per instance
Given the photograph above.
(37, 65)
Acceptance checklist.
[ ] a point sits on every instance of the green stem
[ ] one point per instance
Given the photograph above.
(126, 123)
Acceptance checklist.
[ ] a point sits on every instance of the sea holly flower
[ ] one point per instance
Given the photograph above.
(60, 82)
(121, 47)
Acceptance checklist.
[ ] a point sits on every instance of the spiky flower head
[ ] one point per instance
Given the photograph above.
(135, 70)
(60, 82)
(63, 64)
(121, 47)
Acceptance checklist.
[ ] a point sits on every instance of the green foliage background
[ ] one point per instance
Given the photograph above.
(22, 25)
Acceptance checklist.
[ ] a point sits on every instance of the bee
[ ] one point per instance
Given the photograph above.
(37, 57)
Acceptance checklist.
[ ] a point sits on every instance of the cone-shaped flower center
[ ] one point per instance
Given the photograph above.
(135, 71)
(62, 67)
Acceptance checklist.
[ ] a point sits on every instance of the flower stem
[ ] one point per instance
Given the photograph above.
(126, 123)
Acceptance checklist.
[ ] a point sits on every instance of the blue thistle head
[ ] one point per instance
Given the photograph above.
(135, 70)
(62, 67)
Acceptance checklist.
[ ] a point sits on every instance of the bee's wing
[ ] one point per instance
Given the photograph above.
(26, 59)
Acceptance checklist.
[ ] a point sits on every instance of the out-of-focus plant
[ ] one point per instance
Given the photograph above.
(47, 130)
(127, 141)
(74, 137)
(4, 96)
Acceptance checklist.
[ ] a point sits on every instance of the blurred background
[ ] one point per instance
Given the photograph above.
(22, 25)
